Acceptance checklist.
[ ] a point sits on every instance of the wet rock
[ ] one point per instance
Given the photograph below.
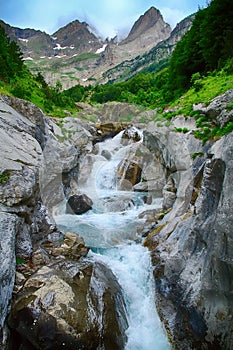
(141, 187)
(109, 129)
(78, 204)
(106, 154)
(169, 194)
(150, 218)
(147, 199)
(70, 305)
(117, 204)
(85, 167)
(131, 134)
(130, 171)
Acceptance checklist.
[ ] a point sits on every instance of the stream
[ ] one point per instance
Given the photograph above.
(111, 230)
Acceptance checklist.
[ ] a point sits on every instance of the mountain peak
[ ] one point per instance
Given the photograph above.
(79, 35)
(71, 27)
(152, 19)
(149, 27)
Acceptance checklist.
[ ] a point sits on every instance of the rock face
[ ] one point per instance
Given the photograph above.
(157, 54)
(32, 168)
(129, 172)
(192, 245)
(219, 109)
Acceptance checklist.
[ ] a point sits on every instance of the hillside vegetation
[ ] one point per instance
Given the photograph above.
(201, 67)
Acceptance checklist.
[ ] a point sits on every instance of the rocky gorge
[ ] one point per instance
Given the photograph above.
(53, 293)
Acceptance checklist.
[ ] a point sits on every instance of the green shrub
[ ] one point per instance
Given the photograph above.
(4, 176)
(183, 130)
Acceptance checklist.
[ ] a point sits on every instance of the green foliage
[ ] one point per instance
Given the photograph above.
(196, 81)
(197, 154)
(11, 64)
(20, 260)
(16, 79)
(229, 107)
(4, 176)
(205, 47)
(183, 130)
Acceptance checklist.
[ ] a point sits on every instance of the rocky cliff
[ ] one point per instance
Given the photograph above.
(190, 239)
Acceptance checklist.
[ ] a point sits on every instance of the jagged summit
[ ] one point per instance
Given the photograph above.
(151, 21)
(78, 35)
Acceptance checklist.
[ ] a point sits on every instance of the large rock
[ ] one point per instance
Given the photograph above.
(110, 129)
(173, 152)
(169, 194)
(78, 204)
(219, 109)
(72, 305)
(129, 171)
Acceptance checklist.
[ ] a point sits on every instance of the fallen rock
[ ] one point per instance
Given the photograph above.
(73, 247)
(109, 129)
(106, 154)
(117, 204)
(78, 204)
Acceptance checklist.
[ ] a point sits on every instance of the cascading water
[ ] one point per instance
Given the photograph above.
(111, 230)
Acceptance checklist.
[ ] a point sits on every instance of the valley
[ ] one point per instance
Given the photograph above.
(116, 185)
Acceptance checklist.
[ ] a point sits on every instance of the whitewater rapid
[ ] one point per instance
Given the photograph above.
(113, 238)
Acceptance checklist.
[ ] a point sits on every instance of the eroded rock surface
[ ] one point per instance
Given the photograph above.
(192, 251)
(71, 305)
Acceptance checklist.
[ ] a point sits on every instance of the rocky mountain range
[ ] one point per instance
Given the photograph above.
(76, 54)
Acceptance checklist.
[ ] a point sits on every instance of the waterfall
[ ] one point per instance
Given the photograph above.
(111, 230)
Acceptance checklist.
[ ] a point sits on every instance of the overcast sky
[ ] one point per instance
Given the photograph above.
(109, 17)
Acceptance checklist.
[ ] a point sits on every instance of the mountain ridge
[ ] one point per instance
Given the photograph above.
(84, 56)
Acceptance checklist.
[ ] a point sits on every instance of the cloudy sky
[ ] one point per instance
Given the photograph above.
(109, 17)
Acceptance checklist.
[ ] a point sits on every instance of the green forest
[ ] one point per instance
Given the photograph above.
(200, 68)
